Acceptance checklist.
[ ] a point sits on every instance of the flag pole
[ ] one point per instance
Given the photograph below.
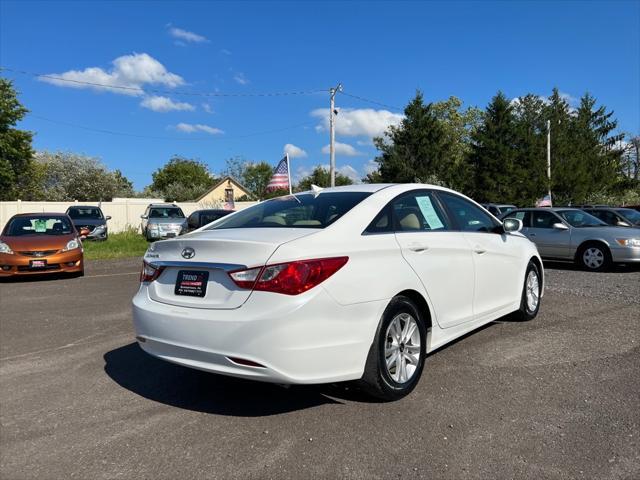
(549, 158)
(289, 173)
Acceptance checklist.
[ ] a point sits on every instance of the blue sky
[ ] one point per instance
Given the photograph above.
(380, 51)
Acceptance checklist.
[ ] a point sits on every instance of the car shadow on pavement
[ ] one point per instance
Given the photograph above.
(570, 266)
(131, 368)
(45, 277)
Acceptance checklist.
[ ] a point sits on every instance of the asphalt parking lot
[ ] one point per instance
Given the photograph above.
(558, 397)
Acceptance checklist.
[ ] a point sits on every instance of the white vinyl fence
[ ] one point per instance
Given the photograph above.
(124, 212)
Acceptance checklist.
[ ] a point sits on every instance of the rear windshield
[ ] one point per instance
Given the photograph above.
(80, 213)
(38, 225)
(631, 214)
(165, 212)
(578, 218)
(304, 210)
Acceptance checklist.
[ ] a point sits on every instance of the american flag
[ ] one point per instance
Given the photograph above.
(544, 201)
(280, 177)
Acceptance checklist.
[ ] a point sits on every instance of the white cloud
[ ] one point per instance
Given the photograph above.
(164, 104)
(131, 71)
(198, 127)
(371, 166)
(207, 108)
(240, 78)
(186, 35)
(343, 149)
(352, 122)
(349, 171)
(294, 151)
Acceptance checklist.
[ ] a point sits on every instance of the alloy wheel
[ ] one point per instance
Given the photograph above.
(402, 348)
(532, 291)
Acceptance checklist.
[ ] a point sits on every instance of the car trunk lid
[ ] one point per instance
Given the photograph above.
(213, 254)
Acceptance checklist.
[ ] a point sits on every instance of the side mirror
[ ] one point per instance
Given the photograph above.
(108, 217)
(622, 223)
(144, 216)
(560, 226)
(511, 225)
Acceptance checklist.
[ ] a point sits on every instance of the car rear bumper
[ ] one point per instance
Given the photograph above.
(16, 264)
(303, 339)
(625, 255)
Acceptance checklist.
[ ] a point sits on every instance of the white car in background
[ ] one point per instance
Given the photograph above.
(346, 283)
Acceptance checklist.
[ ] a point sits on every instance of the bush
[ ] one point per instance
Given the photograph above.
(126, 244)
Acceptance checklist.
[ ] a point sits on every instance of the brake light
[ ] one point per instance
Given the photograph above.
(290, 278)
(149, 272)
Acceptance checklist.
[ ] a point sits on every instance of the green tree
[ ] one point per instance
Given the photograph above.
(181, 179)
(493, 154)
(256, 177)
(236, 167)
(458, 125)
(65, 176)
(530, 165)
(322, 178)
(123, 187)
(416, 149)
(16, 154)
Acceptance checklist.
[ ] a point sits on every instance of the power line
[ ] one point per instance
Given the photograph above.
(152, 137)
(164, 92)
(374, 102)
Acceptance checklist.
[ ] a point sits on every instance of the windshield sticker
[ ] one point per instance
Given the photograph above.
(40, 225)
(429, 213)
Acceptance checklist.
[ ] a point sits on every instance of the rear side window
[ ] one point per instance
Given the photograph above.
(469, 217)
(418, 211)
(544, 220)
(523, 216)
(304, 210)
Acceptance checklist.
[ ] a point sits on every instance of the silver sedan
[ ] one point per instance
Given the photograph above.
(574, 235)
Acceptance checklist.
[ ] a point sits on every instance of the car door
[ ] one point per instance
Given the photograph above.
(551, 242)
(440, 257)
(498, 256)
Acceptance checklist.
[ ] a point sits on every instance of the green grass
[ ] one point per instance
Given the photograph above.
(119, 245)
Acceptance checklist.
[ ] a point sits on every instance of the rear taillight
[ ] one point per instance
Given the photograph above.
(290, 278)
(149, 273)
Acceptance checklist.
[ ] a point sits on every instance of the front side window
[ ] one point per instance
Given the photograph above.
(38, 225)
(579, 219)
(165, 212)
(544, 220)
(469, 217)
(83, 213)
(304, 210)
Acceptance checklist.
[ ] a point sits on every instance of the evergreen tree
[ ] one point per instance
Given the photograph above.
(493, 154)
(16, 164)
(415, 149)
(530, 165)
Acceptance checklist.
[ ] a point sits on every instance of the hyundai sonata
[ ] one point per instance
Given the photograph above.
(346, 283)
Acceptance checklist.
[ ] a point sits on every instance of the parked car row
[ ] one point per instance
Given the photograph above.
(37, 243)
(577, 235)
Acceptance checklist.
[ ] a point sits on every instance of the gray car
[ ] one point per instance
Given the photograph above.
(163, 220)
(619, 216)
(572, 234)
(91, 218)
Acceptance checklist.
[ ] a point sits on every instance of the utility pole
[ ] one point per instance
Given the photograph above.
(332, 133)
(549, 156)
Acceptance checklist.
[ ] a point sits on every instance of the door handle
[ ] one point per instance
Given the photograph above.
(418, 247)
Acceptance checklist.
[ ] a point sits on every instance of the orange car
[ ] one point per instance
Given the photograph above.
(33, 243)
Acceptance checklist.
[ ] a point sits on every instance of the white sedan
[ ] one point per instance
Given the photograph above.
(346, 283)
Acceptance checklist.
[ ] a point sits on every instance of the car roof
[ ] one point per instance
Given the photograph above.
(376, 187)
(82, 206)
(41, 214)
(162, 205)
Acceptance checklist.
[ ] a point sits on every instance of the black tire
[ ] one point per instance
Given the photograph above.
(377, 380)
(601, 253)
(525, 312)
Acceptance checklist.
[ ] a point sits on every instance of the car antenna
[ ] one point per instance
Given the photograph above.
(316, 190)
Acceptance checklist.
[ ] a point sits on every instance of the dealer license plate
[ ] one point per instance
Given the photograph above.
(191, 283)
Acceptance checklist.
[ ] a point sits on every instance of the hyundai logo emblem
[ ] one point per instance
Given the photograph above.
(188, 253)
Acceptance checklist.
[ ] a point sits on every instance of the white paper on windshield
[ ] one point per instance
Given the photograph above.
(429, 213)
